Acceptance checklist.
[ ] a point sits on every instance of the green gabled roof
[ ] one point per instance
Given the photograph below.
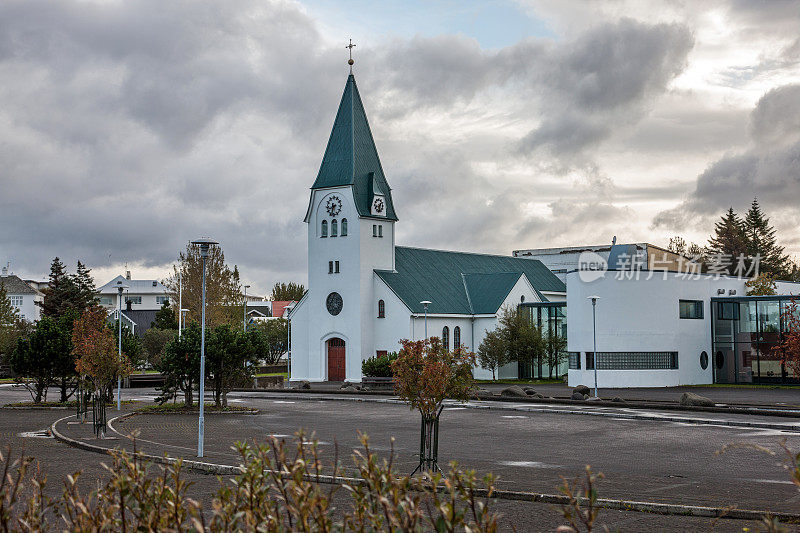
(460, 282)
(351, 157)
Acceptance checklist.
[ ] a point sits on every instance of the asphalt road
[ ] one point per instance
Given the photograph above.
(641, 460)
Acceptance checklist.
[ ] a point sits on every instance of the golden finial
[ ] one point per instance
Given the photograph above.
(350, 61)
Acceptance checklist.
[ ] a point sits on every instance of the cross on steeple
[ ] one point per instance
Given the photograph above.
(350, 61)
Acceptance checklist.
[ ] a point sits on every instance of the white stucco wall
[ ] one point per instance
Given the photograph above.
(28, 310)
(642, 315)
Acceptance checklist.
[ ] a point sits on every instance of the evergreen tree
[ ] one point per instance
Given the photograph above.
(11, 325)
(165, 317)
(761, 243)
(728, 243)
(87, 292)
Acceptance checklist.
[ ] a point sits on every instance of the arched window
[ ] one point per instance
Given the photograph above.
(446, 337)
(381, 309)
(324, 228)
(456, 338)
(344, 227)
(334, 228)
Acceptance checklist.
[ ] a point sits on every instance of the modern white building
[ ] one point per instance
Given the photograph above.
(23, 296)
(365, 292)
(657, 329)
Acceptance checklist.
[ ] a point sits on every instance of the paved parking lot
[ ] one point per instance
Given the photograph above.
(642, 460)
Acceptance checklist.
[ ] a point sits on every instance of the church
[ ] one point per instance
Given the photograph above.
(366, 293)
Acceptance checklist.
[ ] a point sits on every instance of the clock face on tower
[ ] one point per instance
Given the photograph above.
(333, 206)
(377, 205)
(334, 303)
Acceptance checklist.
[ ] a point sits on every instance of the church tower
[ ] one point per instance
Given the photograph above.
(350, 220)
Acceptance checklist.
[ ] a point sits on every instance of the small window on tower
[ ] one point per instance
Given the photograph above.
(344, 227)
(336, 265)
(324, 229)
(330, 267)
(334, 228)
(374, 230)
(380, 230)
(381, 309)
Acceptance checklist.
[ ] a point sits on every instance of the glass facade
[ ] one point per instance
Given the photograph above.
(747, 333)
(552, 318)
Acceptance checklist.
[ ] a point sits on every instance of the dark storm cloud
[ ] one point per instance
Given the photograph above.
(768, 169)
(603, 80)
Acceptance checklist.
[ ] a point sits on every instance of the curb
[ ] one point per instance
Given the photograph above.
(669, 509)
(737, 409)
(533, 407)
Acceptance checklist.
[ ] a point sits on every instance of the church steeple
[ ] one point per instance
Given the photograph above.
(351, 158)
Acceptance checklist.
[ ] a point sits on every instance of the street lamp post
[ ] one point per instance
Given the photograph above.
(425, 304)
(204, 244)
(594, 338)
(120, 287)
(180, 303)
(183, 320)
(245, 307)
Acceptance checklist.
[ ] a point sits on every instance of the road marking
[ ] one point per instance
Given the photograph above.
(38, 434)
(527, 464)
(282, 401)
(777, 481)
(514, 416)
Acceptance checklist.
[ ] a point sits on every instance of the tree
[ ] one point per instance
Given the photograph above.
(94, 345)
(761, 243)
(789, 348)
(223, 289)
(229, 355)
(524, 340)
(283, 292)
(269, 339)
(165, 317)
(425, 374)
(556, 351)
(493, 352)
(180, 365)
(66, 292)
(131, 345)
(154, 342)
(12, 327)
(762, 285)
(728, 243)
(677, 245)
(45, 357)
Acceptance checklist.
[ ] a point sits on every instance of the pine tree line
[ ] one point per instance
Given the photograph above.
(742, 246)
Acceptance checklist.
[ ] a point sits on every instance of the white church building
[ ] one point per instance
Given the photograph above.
(365, 291)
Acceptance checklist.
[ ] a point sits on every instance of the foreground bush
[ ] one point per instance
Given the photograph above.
(379, 366)
(279, 489)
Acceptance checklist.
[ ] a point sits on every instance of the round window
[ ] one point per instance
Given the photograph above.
(720, 360)
(704, 360)
(522, 298)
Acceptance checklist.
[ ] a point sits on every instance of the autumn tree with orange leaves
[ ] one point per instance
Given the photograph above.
(94, 346)
(426, 373)
(790, 346)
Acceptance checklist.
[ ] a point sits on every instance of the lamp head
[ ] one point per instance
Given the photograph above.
(593, 298)
(204, 243)
(425, 303)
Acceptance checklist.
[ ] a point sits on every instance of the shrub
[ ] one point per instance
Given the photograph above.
(379, 366)
(279, 489)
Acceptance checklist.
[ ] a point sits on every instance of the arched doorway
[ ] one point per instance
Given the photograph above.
(336, 368)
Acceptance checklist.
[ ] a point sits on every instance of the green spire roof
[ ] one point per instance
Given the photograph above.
(351, 157)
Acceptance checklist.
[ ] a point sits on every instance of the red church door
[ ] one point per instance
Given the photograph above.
(336, 369)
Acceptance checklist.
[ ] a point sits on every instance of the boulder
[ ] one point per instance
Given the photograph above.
(593, 398)
(304, 385)
(581, 389)
(578, 396)
(514, 391)
(529, 390)
(350, 387)
(538, 395)
(617, 399)
(690, 399)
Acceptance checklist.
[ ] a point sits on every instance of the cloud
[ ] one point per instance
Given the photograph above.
(768, 169)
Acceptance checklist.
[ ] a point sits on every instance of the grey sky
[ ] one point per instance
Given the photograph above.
(129, 128)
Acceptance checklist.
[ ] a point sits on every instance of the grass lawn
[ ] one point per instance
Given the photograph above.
(180, 407)
(284, 374)
(520, 381)
(3, 381)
